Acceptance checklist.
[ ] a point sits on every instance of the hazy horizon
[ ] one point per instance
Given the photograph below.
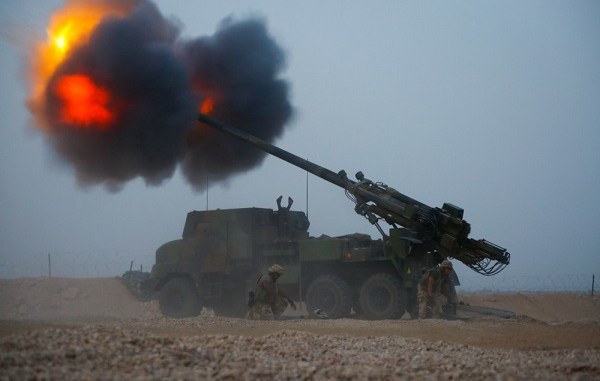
(491, 106)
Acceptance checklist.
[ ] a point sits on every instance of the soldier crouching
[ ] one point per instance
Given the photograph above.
(268, 302)
(436, 290)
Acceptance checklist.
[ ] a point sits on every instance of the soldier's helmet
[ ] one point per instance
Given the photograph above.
(446, 264)
(276, 269)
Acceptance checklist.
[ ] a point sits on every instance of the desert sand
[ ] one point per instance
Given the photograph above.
(56, 328)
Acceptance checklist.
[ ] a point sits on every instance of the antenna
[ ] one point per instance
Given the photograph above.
(306, 193)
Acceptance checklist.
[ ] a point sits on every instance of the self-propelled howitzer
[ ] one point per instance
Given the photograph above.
(412, 223)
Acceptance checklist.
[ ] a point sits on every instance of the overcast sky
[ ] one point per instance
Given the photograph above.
(492, 106)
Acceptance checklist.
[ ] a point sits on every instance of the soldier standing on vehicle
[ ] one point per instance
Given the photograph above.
(268, 302)
(435, 290)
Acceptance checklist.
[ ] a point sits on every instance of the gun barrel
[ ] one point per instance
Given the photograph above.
(386, 202)
(377, 201)
(338, 179)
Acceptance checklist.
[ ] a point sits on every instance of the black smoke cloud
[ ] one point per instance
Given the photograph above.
(157, 82)
(238, 68)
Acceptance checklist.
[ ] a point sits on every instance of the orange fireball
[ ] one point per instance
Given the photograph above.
(207, 106)
(85, 103)
(70, 27)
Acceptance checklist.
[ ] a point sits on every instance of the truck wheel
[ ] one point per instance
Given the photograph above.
(331, 294)
(382, 297)
(178, 298)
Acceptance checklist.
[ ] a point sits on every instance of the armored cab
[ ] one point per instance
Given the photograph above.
(218, 256)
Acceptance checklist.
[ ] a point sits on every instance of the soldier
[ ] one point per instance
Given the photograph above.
(435, 290)
(268, 301)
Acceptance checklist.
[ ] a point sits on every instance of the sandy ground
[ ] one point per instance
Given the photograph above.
(542, 320)
(89, 329)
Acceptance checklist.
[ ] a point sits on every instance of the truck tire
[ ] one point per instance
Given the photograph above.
(178, 298)
(382, 297)
(330, 294)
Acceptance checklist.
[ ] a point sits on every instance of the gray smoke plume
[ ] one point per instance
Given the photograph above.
(238, 67)
(157, 83)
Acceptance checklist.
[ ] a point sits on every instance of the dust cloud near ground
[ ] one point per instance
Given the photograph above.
(82, 329)
(69, 299)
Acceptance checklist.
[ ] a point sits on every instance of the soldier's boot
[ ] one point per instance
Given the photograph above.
(279, 306)
(424, 310)
(436, 312)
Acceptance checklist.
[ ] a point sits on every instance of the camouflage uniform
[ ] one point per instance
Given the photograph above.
(269, 301)
(267, 311)
(443, 292)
